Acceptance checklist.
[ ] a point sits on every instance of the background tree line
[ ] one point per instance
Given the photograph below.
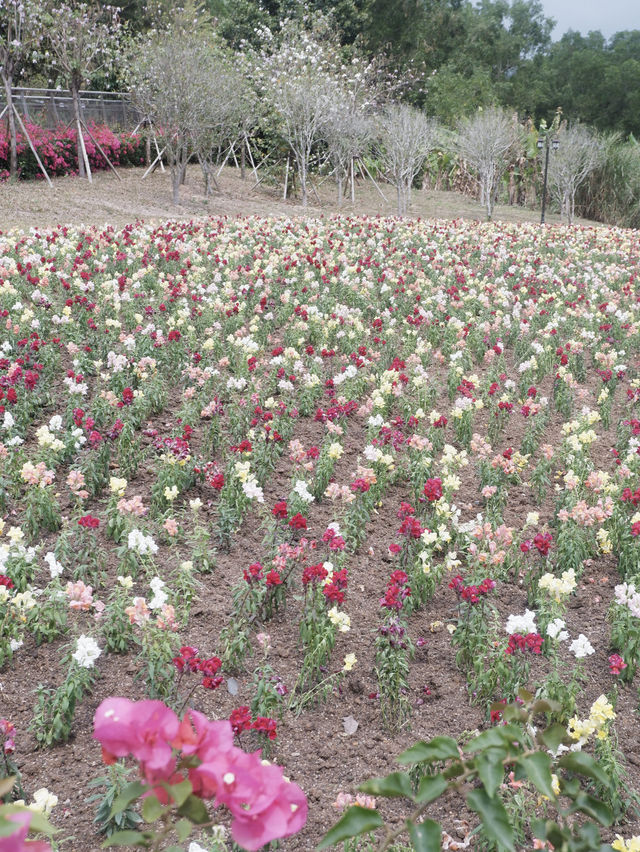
(328, 85)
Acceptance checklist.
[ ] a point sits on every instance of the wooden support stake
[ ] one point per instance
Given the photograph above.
(84, 151)
(253, 165)
(362, 165)
(286, 179)
(155, 142)
(154, 164)
(99, 147)
(224, 162)
(3, 112)
(233, 151)
(33, 150)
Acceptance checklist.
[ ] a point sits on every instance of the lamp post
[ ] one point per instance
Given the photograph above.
(543, 142)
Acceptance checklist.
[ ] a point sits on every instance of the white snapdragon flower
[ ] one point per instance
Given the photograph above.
(55, 568)
(555, 630)
(87, 651)
(522, 624)
(581, 647)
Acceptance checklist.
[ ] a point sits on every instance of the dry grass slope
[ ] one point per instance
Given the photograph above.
(109, 201)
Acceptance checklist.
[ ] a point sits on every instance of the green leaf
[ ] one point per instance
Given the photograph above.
(132, 791)
(537, 768)
(439, 748)
(426, 837)
(584, 764)
(151, 809)
(490, 770)
(183, 829)
(496, 737)
(550, 831)
(553, 736)
(395, 785)
(126, 838)
(593, 808)
(430, 788)
(180, 792)
(356, 820)
(545, 705)
(41, 824)
(511, 712)
(453, 770)
(194, 809)
(6, 786)
(495, 821)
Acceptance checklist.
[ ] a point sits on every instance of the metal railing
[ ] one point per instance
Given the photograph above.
(51, 107)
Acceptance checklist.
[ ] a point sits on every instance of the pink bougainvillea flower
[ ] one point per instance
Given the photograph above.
(144, 729)
(17, 842)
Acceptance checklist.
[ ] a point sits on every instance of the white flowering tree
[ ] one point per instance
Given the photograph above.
(580, 151)
(348, 129)
(406, 136)
(20, 38)
(487, 142)
(295, 72)
(84, 38)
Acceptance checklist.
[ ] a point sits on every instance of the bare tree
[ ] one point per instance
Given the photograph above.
(84, 38)
(222, 118)
(347, 132)
(580, 152)
(20, 36)
(170, 78)
(486, 142)
(406, 136)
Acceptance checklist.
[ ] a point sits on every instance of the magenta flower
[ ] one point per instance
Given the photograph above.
(144, 729)
(17, 842)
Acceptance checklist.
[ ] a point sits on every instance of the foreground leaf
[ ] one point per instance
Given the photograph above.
(426, 837)
(395, 785)
(537, 768)
(132, 791)
(356, 820)
(495, 821)
(439, 748)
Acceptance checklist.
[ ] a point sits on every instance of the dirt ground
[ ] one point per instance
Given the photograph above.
(32, 204)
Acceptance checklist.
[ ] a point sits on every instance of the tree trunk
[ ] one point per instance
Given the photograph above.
(75, 95)
(339, 181)
(302, 170)
(13, 136)
(243, 160)
(175, 183)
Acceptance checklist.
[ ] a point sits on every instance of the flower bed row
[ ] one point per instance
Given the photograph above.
(279, 474)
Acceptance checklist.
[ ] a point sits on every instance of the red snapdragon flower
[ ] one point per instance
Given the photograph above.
(542, 542)
(616, 664)
(280, 510)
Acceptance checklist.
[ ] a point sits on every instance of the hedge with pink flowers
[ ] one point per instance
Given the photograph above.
(57, 149)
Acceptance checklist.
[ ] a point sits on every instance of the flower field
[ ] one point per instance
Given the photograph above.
(348, 484)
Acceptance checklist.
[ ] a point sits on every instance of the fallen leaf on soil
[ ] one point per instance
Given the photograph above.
(350, 725)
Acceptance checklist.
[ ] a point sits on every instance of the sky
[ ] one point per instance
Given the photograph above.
(608, 16)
